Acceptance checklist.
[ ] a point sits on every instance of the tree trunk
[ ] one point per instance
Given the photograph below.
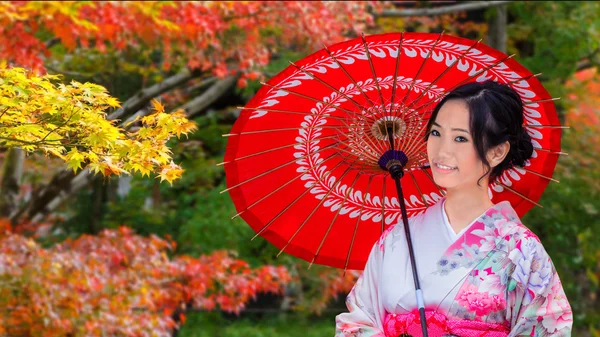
(12, 171)
(497, 29)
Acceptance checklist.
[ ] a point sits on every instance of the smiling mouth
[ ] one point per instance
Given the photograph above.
(444, 167)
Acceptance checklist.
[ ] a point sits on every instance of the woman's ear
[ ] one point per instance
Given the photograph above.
(497, 154)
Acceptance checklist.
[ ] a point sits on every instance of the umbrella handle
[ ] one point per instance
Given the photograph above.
(396, 171)
(419, 292)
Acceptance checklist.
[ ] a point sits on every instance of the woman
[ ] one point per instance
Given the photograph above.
(482, 272)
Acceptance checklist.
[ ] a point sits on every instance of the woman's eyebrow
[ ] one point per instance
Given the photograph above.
(453, 129)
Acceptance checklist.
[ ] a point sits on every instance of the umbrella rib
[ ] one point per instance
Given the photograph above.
(348, 75)
(283, 129)
(330, 104)
(383, 206)
(550, 151)
(433, 181)
(362, 207)
(423, 92)
(293, 202)
(523, 78)
(376, 81)
(373, 70)
(538, 174)
(413, 140)
(278, 167)
(412, 83)
(519, 194)
(465, 80)
(329, 86)
(284, 185)
(337, 183)
(373, 145)
(275, 149)
(541, 101)
(396, 72)
(333, 221)
(288, 112)
(546, 126)
(418, 189)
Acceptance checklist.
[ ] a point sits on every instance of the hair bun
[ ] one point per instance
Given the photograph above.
(521, 148)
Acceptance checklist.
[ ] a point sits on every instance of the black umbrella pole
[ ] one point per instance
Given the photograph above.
(420, 301)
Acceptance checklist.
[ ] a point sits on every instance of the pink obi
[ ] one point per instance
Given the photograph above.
(438, 325)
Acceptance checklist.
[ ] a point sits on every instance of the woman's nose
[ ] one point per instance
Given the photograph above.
(445, 148)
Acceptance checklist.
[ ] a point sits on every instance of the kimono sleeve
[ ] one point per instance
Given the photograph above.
(540, 306)
(365, 310)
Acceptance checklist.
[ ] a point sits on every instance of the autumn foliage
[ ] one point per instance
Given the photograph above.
(118, 283)
(69, 121)
(205, 35)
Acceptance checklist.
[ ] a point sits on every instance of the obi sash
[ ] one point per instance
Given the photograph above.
(438, 325)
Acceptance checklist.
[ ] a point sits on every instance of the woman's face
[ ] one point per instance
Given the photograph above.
(450, 149)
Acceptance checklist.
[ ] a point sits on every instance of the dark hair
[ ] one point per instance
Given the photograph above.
(495, 116)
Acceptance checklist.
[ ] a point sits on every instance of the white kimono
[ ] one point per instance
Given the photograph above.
(495, 271)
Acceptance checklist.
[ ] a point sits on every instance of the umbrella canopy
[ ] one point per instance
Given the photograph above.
(303, 159)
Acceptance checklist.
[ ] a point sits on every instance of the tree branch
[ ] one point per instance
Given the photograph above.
(475, 5)
(200, 103)
(137, 101)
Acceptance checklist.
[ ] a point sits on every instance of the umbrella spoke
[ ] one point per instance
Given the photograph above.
(289, 112)
(334, 218)
(396, 73)
(433, 181)
(329, 86)
(546, 126)
(550, 151)
(278, 167)
(424, 91)
(373, 70)
(519, 194)
(275, 149)
(412, 83)
(523, 78)
(337, 183)
(284, 185)
(335, 127)
(376, 148)
(541, 101)
(349, 77)
(268, 224)
(464, 81)
(330, 104)
(418, 189)
(362, 207)
(537, 174)
(383, 206)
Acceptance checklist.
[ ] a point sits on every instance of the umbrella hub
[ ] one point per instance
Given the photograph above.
(394, 162)
(383, 126)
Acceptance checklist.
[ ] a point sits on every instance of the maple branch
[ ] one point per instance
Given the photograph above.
(65, 183)
(475, 5)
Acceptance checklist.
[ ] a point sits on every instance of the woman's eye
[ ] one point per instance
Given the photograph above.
(461, 139)
(434, 133)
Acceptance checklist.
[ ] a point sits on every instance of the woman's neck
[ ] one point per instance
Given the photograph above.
(463, 206)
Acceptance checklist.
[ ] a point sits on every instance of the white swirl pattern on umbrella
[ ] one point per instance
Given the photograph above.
(444, 51)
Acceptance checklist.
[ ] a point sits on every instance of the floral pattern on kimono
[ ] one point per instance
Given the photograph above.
(496, 272)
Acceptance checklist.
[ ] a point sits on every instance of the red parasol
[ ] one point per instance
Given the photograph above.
(314, 161)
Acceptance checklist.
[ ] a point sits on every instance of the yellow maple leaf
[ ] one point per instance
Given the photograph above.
(170, 172)
(158, 107)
